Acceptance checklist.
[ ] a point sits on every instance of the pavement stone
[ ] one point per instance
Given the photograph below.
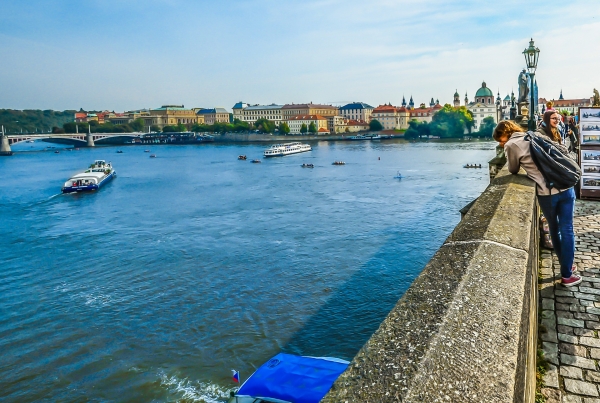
(570, 317)
(571, 372)
(581, 388)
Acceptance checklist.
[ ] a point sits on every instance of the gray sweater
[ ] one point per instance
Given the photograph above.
(518, 155)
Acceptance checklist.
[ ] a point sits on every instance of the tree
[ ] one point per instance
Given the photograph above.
(487, 127)
(137, 125)
(154, 128)
(451, 122)
(303, 128)
(312, 128)
(284, 128)
(375, 125)
(264, 125)
(417, 129)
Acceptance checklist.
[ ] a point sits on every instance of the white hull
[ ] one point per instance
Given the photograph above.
(280, 150)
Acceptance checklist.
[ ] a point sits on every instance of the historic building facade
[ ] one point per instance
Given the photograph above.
(357, 111)
(568, 105)
(213, 115)
(295, 123)
(251, 114)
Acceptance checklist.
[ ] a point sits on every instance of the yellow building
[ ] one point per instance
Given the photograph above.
(171, 115)
(291, 110)
(295, 123)
(214, 115)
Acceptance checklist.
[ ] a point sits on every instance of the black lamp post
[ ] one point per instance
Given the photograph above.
(531, 59)
(498, 101)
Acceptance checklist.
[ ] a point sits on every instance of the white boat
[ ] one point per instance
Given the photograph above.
(398, 175)
(98, 174)
(279, 150)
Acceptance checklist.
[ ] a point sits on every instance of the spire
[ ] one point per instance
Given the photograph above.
(411, 103)
(432, 103)
(561, 95)
(403, 101)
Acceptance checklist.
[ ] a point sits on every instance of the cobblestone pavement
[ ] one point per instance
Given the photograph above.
(570, 316)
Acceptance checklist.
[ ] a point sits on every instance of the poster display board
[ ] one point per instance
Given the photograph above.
(589, 155)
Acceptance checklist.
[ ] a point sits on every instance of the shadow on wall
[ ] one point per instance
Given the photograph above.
(357, 308)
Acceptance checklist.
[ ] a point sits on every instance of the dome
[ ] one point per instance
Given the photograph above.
(456, 95)
(484, 91)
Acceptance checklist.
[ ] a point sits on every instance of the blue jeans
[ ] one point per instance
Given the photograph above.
(559, 210)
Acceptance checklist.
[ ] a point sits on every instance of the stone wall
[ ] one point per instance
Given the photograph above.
(466, 330)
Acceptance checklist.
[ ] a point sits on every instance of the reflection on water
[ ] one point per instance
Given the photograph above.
(193, 263)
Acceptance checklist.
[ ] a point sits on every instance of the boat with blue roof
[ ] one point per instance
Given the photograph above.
(93, 178)
(288, 378)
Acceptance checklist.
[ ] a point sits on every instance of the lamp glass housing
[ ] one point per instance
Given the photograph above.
(531, 57)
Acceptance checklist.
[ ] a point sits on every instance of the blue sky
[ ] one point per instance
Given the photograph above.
(131, 54)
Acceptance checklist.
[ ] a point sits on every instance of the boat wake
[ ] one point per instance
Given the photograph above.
(194, 391)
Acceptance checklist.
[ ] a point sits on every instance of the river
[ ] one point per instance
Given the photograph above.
(193, 263)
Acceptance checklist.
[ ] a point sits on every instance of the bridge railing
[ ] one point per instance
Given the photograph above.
(466, 329)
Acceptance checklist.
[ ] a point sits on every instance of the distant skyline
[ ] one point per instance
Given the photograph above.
(132, 54)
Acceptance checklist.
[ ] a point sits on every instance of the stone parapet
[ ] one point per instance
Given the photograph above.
(465, 331)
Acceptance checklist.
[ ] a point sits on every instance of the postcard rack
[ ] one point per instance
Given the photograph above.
(589, 154)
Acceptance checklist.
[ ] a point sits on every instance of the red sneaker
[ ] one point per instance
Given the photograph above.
(574, 268)
(571, 281)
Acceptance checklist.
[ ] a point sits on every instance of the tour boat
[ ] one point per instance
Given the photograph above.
(338, 163)
(288, 378)
(242, 157)
(358, 137)
(279, 150)
(99, 173)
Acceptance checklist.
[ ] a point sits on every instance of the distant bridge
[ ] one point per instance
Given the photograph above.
(76, 139)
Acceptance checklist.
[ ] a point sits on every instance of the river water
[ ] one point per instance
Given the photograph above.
(193, 263)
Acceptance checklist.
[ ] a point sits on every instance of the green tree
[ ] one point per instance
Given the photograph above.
(487, 127)
(375, 125)
(451, 122)
(264, 125)
(312, 128)
(303, 128)
(284, 128)
(73, 127)
(154, 128)
(137, 125)
(417, 129)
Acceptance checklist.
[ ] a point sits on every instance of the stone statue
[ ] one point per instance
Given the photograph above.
(523, 87)
(596, 98)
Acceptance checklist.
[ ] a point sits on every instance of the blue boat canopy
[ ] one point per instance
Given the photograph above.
(293, 378)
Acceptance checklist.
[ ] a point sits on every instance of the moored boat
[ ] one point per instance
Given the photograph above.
(242, 157)
(279, 150)
(307, 166)
(338, 163)
(288, 378)
(98, 174)
(358, 137)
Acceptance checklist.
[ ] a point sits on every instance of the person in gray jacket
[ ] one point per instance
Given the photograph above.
(558, 205)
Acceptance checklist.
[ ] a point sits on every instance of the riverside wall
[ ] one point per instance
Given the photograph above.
(466, 329)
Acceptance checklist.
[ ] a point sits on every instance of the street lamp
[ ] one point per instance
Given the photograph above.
(498, 108)
(531, 59)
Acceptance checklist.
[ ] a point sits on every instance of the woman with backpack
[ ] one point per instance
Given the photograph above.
(558, 205)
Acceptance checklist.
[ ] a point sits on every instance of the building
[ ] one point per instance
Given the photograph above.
(251, 114)
(424, 114)
(357, 111)
(484, 105)
(237, 110)
(295, 123)
(353, 126)
(336, 124)
(568, 105)
(213, 115)
(166, 115)
(291, 110)
(391, 117)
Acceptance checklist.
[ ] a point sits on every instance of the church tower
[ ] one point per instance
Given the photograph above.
(431, 103)
(411, 103)
(456, 99)
(403, 101)
(466, 99)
